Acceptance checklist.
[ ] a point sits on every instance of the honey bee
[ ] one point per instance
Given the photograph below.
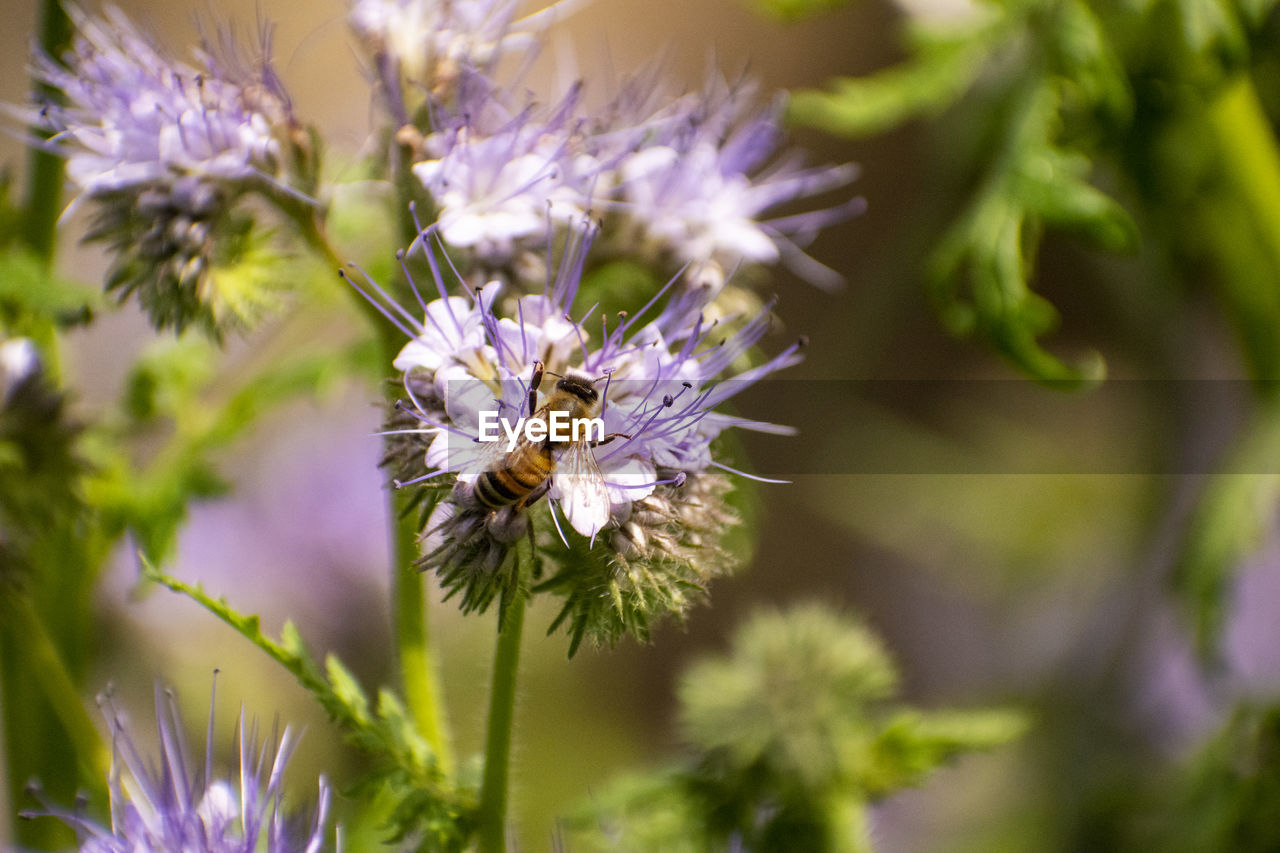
(520, 477)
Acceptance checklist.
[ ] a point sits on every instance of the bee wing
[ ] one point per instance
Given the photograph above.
(488, 455)
(467, 457)
(584, 497)
(478, 456)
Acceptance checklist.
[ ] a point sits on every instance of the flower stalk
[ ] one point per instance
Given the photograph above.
(45, 169)
(58, 688)
(1249, 157)
(418, 669)
(492, 819)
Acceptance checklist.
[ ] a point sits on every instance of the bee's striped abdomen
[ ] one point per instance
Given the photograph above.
(514, 481)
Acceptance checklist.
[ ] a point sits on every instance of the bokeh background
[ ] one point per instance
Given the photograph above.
(1011, 543)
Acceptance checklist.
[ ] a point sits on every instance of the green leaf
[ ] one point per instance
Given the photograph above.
(168, 377)
(863, 106)
(1212, 26)
(1051, 185)
(30, 291)
(1227, 797)
(291, 640)
(910, 745)
(979, 274)
(347, 689)
(1092, 72)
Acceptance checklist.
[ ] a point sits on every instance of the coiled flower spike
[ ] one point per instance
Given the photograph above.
(161, 151)
(644, 537)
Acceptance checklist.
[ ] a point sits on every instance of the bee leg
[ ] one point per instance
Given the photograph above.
(536, 495)
(610, 437)
(533, 387)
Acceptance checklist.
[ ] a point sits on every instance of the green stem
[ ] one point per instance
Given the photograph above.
(492, 818)
(59, 690)
(33, 664)
(44, 169)
(418, 669)
(1238, 130)
(42, 200)
(1249, 157)
(417, 663)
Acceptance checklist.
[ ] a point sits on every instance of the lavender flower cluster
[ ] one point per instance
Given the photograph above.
(650, 505)
(690, 180)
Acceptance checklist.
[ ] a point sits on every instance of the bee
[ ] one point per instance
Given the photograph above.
(520, 477)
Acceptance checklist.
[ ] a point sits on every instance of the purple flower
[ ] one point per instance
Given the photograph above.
(135, 117)
(647, 502)
(693, 180)
(497, 176)
(162, 151)
(706, 175)
(170, 807)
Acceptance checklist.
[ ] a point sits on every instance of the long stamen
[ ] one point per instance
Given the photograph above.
(400, 484)
(417, 413)
(524, 337)
(667, 402)
(413, 285)
(392, 318)
(755, 477)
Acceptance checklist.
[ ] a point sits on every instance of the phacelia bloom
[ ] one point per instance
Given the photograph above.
(693, 180)
(429, 44)
(497, 176)
(643, 535)
(706, 175)
(172, 807)
(162, 150)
